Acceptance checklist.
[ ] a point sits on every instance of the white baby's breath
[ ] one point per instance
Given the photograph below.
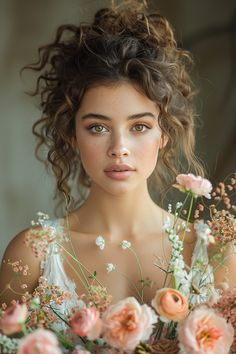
(42, 218)
(8, 345)
(167, 224)
(100, 242)
(169, 208)
(179, 205)
(125, 244)
(110, 267)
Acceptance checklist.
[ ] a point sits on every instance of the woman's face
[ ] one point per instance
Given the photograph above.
(117, 125)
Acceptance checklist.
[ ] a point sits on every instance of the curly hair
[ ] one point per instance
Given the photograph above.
(121, 44)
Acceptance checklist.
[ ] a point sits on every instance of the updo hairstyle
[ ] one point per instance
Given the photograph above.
(122, 44)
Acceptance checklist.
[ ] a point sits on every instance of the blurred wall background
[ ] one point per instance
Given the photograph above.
(206, 28)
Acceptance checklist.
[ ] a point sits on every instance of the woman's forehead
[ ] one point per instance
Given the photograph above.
(124, 98)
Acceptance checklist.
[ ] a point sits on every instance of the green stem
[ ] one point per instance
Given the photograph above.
(159, 331)
(132, 284)
(77, 273)
(140, 269)
(24, 330)
(180, 210)
(189, 214)
(14, 291)
(79, 264)
(64, 341)
(58, 315)
(73, 250)
(4, 290)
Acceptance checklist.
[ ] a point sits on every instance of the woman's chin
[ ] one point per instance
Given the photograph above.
(118, 188)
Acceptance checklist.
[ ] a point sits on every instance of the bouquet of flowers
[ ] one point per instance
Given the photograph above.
(191, 317)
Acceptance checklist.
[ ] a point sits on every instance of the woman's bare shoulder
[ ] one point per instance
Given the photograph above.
(17, 248)
(19, 266)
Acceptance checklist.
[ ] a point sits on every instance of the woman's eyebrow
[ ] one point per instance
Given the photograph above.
(103, 117)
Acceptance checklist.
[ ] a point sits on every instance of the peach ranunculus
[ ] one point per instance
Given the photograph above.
(170, 304)
(126, 323)
(195, 184)
(40, 341)
(13, 319)
(205, 332)
(86, 322)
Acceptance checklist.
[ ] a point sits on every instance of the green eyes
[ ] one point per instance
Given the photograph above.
(139, 125)
(98, 128)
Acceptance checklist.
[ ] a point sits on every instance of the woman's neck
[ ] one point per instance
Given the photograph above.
(118, 216)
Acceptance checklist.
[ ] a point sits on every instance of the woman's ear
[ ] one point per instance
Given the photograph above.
(74, 143)
(164, 140)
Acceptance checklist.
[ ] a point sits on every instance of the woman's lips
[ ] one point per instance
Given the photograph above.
(119, 171)
(119, 175)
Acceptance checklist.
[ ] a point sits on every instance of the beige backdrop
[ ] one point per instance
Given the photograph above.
(205, 27)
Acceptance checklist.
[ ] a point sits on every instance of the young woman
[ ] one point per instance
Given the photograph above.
(117, 118)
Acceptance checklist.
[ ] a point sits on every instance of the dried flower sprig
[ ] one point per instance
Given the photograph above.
(19, 271)
(42, 314)
(99, 297)
(42, 234)
(226, 305)
(223, 227)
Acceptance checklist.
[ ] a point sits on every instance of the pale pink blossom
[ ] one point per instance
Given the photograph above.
(195, 184)
(13, 319)
(127, 323)
(205, 332)
(40, 341)
(170, 304)
(86, 322)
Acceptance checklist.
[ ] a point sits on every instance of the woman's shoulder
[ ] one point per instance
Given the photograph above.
(20, 269)
(17, 248)
(22, 260)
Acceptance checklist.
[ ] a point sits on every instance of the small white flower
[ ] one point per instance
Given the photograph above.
(100, 242)
(125, 244)
(110, 267)
(166, 224)
(179, 205)
(169, 208)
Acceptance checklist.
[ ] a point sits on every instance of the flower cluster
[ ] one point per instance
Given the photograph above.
(41, 235)
(191, 317)
(226, 305)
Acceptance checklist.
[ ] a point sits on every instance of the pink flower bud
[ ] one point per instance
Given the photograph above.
(13, 319)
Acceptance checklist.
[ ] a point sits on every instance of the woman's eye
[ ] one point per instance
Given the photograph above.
(141, 127)
(96, 128)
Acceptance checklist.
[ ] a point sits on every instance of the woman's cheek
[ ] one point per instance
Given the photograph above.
(148, 153)
(90, 155)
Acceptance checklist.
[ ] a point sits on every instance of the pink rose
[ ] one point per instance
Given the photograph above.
(86, 322)
(40, 341)
(205, 332)
(13, 319)
(195, 184)
(170, 304)
(127, 323)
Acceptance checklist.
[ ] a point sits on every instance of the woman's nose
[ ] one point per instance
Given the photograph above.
(118, 147)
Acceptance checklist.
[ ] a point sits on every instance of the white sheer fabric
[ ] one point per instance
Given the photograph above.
(201, 274)
(53, 270)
